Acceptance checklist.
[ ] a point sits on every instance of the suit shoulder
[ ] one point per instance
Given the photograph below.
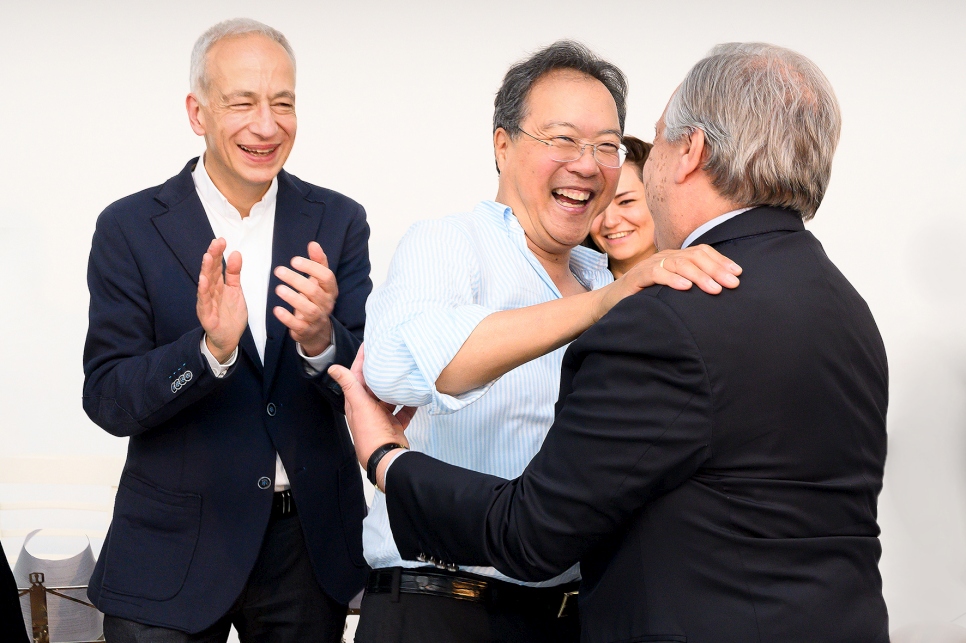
(132, 208)
(643, 321)
(331, 198)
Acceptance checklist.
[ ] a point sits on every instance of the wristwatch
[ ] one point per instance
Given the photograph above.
(376, 458)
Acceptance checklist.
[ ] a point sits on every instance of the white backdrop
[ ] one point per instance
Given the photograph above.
(395, 101)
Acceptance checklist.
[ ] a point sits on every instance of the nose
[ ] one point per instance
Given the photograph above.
(585, 164)
(263, 121)
(610, 217)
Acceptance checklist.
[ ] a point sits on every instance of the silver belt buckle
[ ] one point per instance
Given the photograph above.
(563, 603)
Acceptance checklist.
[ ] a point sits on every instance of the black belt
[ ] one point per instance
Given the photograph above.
(558, 601)
(283, 504)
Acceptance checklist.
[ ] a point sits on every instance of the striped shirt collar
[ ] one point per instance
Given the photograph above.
(586, 264)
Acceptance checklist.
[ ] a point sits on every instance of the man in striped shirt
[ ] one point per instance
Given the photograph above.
(471, 326)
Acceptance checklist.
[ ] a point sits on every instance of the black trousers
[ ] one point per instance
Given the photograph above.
(421, 618)
(281, 602)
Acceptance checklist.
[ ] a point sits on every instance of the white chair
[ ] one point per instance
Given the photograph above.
(65, 495)
(69, 497)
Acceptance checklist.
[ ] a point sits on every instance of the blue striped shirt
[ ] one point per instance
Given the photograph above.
(446, 276)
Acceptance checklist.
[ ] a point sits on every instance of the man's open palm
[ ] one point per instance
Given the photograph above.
(221, 304)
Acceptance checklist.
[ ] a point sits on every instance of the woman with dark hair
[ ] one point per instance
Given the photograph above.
(625, 231)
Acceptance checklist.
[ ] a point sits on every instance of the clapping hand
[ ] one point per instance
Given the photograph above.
(221, 305)
(312, 298)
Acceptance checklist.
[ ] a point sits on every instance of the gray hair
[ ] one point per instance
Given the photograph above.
(227, 29)
(770, 120)
(510, 106)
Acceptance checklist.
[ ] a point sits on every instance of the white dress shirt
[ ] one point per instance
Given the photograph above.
(252, 237)
(707, 225)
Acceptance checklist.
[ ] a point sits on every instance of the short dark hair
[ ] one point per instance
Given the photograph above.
(637, 151)
(510, 106)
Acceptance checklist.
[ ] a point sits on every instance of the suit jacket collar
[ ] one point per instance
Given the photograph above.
(760, 220)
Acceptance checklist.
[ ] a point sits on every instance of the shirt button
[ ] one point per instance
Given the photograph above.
(264, 482)
(270, 409)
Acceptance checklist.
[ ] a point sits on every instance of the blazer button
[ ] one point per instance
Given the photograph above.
(270, 409)
(264, 482)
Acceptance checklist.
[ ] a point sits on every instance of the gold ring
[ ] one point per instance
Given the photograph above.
(661, 265)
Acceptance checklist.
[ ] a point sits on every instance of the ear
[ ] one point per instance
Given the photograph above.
(691, 157)
(501, 144)
(195, 114)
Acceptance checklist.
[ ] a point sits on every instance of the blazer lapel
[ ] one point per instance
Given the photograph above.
(185, 229)
(296, 223)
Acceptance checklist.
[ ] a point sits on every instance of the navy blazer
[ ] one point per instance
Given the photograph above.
(195, 497)
(714, 463)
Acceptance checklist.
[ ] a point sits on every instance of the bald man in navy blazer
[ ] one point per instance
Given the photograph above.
(715, 462)
(241, 502)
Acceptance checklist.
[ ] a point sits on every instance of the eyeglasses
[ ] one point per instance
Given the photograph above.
(564, 149)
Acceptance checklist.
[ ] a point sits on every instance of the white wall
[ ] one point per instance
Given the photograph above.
(395, 102)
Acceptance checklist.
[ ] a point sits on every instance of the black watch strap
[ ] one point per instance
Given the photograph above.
(377, 457)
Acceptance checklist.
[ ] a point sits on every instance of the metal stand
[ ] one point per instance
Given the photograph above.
(38, 606)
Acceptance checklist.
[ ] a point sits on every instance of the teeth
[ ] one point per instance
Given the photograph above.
(617, 235)
(257, 152)
(576, 195)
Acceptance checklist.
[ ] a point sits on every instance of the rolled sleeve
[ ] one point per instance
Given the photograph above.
(422, 315)
(433, 339)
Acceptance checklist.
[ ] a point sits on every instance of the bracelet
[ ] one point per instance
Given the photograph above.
(376, 458)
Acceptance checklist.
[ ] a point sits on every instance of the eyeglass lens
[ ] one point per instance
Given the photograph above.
(565, 151)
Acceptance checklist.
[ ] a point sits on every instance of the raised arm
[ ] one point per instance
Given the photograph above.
(506, 339)
(633, 422)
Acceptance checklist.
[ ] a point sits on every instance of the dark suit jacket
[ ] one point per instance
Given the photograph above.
(190, 511)
(714, 463)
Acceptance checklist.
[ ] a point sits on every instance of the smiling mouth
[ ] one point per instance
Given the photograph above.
(259, 152)
(617, 235)
(572, 198)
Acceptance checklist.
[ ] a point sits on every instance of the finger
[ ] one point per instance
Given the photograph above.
(720, 259)
(317, 255)
(714, 264)
(685, 266)
(346, 381)
(233, 270)
(305, 307)
(317, 271)
(204, 278)
(344, 378)
(310, 287)
(299, 327)
(211, 269)
(217, 248)
(357, 364)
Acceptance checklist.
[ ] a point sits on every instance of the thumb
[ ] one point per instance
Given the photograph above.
(343, 378)
(317, 255)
